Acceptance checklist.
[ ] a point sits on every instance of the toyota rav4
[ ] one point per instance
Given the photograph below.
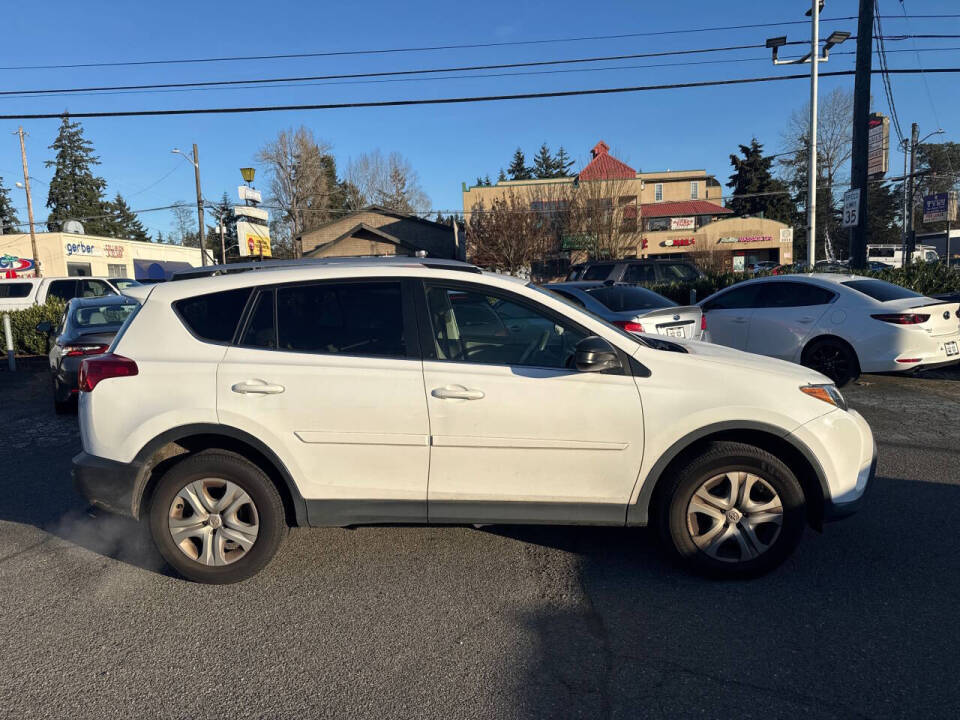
(417, 391)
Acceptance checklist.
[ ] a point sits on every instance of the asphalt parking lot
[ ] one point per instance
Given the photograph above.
(502, 622)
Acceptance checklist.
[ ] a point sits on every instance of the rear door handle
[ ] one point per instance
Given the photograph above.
(456, 392)
(739, 320)
(805, 320)
(257, 387)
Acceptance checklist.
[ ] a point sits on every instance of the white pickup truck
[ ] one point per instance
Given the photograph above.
(21, 293)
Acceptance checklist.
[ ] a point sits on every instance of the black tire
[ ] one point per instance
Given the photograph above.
(834, 358)
(224, 465)
(718, 458)
(64, 408)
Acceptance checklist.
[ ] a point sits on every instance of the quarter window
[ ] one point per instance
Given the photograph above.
(477, 328)
(345, 318)
(213, 317)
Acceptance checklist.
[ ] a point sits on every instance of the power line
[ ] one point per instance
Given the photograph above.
(448, 100)
(887, 87)
(388, 73)
(431, 48)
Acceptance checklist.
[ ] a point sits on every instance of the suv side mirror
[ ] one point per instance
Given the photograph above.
(594, 354)
(44, 328)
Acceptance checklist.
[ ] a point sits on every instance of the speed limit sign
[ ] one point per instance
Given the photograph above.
(851, 208)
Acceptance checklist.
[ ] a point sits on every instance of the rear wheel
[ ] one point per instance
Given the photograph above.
(62, 407)
(833, 358)
(217, 518)
(732, 511)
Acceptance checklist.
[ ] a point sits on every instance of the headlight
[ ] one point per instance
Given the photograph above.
(827, 393)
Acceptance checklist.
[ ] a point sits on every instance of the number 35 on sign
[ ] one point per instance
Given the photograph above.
(851, 208)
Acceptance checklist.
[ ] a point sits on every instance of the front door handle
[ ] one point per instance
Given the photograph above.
(257, 387)
(456, 392)
(805, 320)
(739, 320)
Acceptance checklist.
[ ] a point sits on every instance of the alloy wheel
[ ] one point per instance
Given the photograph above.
(213, 521)
(735, 516)
(830, 360)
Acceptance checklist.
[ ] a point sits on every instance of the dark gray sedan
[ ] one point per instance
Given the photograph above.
(87, 328)
(635, 309)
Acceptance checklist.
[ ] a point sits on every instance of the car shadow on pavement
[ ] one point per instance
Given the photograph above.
(860, 621)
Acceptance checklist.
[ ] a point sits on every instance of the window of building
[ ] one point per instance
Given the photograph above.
(213, 317)
(361, 318)
(477, 328)
(116, 270)
(81, 269)
(658, 192)
(655, 224)
(694, 190)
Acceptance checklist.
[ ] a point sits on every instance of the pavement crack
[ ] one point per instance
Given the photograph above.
(27, 549)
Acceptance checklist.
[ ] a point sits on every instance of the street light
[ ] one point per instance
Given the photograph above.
(194, 159)
(814, 57)
(910, 146)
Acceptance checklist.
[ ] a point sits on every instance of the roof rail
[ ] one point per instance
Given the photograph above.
(358, 261)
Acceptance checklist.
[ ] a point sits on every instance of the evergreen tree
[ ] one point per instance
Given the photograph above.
(9, 222)
(562, 163)
(397, 196)
(223, 209)
(752, 179)
(124, 223)
(518, 169)
(544, 165)
(75, 192)
(883, 213)
(160, 239)
(486, 180)
(502, 176)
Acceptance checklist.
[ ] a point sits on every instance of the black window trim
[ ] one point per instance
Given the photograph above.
(411, 336)
(428, 343)
(791, 281)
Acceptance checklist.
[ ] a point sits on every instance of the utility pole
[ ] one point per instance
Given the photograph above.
(911, 235)
(223, 245)
(196, 170)
(860, 151)
(812, 159)
(26, 186)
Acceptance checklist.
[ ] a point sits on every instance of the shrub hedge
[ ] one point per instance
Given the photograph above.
(924, 278)
(23, 323)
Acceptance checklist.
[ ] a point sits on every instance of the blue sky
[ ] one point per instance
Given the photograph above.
(695, 128)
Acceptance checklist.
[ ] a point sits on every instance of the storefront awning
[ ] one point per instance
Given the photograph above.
(157, 269)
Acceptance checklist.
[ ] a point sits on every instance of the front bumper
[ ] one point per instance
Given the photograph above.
(833, 510)
(108, 484)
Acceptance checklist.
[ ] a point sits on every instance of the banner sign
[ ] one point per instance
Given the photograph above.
(253, 232)
(683, 223)
(878, 144)
(746, 239)
(940, 207)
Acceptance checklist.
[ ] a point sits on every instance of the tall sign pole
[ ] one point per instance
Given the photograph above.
(26, 187)
(861, 130)
(812, 155)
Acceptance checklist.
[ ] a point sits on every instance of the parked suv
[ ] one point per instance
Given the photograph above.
(21, 293)
(374, 391)
(636, 272)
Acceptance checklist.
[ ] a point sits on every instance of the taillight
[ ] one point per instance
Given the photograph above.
(902, 318)
(76, 350)
(94, 370)
(629, 326)
(703, 323)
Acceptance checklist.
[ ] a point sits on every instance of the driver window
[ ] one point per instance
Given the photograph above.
(478, 328)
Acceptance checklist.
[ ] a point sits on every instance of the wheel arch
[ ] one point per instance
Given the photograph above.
(830, 336)
(796, 455)
(165, 450)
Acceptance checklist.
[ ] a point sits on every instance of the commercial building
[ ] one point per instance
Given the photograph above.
(63, 254)
(666, 214)
(375, 231)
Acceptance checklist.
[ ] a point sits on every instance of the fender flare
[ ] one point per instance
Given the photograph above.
(638, 513)
(182, 432)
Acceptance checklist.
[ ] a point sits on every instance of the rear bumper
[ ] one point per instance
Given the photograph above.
(106, 483)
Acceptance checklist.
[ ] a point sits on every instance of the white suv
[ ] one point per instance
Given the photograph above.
(375, 391)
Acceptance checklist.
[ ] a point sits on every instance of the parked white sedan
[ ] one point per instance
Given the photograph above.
(840, 325)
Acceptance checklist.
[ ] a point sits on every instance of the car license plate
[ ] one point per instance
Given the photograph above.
(673, 332)
(951, 348)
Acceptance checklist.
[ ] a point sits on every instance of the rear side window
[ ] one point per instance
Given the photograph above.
(213, 317)
(640, 273)
(880, 290)
(598, 271)
(677, 272)
(792, 294)
(63, 289)
(342, 318)
(15, 290)
(744, 296)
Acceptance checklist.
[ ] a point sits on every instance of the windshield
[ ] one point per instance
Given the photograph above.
(625, 299)
(881, 290)
(88, 316)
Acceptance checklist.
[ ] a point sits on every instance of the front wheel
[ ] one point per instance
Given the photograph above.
(732, 511)
(216, 518)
